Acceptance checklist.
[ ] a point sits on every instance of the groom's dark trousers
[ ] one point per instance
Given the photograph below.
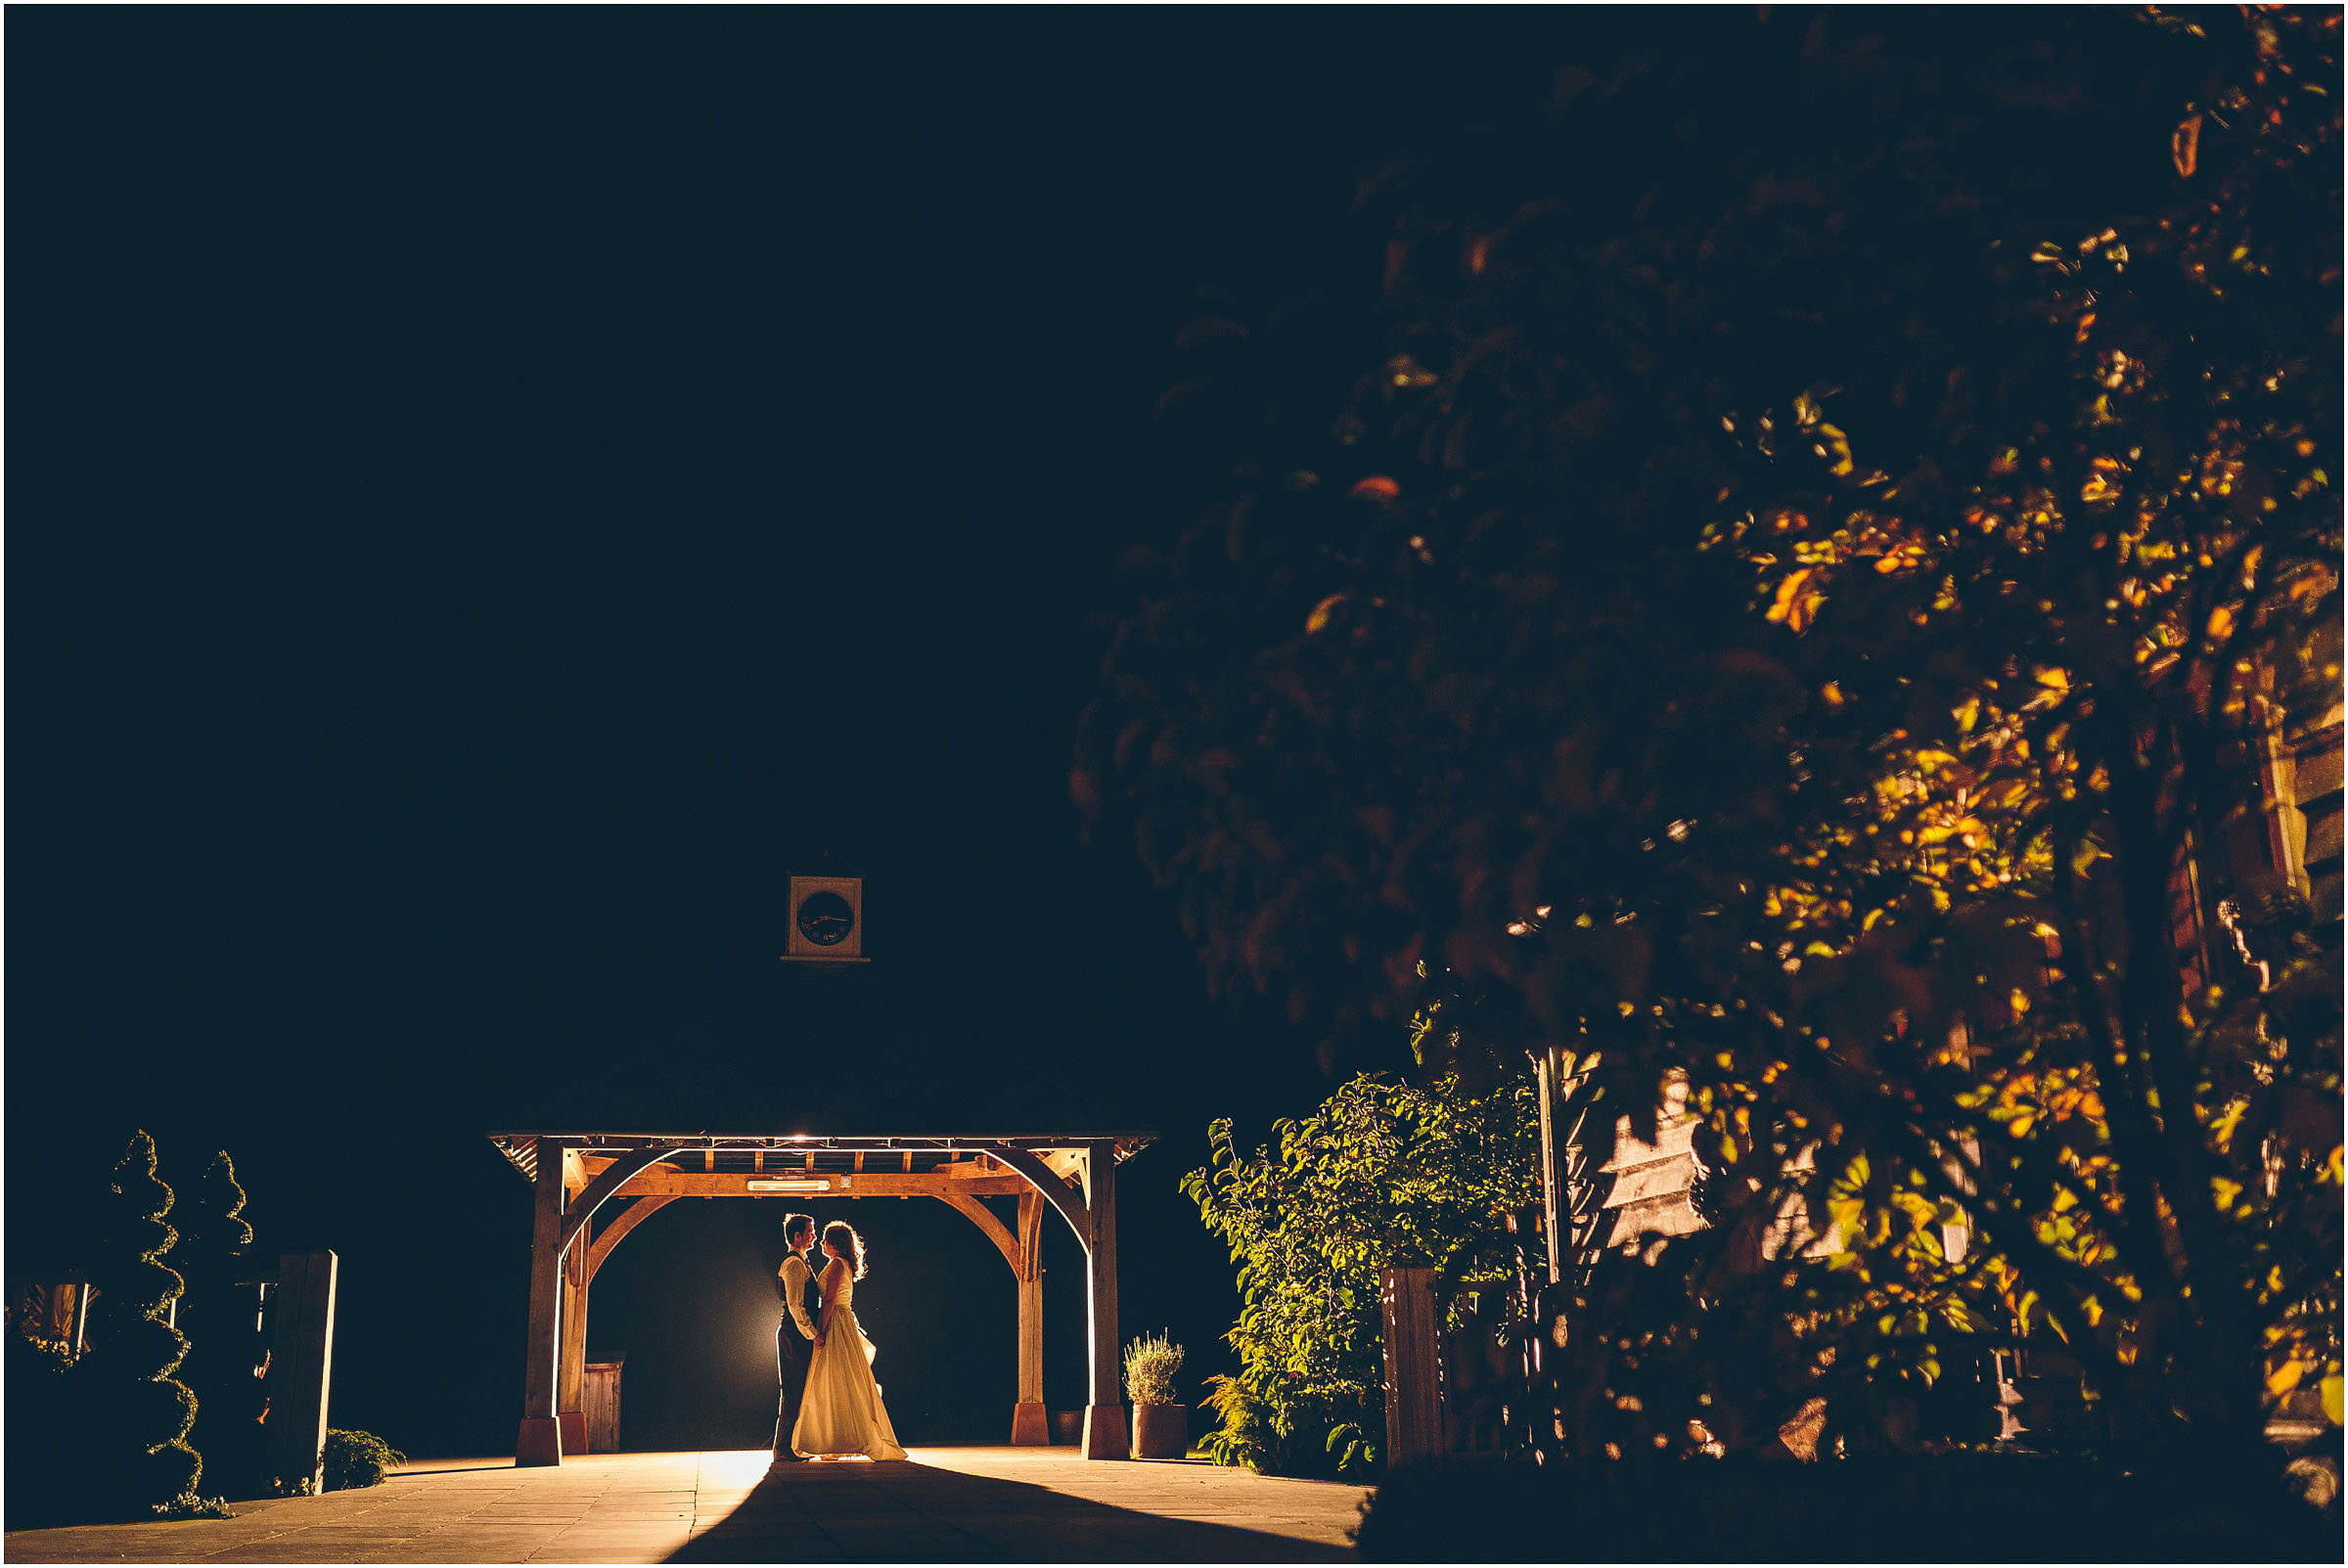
(793, 1351)
(791, 1369)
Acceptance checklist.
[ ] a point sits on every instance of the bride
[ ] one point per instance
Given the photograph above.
(842, 1411)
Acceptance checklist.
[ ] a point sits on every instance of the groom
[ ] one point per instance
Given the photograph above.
(796, 1331)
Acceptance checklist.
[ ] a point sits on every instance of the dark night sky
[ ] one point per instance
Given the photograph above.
(492, 492)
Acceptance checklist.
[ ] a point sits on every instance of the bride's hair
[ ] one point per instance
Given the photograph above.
(842, 1237)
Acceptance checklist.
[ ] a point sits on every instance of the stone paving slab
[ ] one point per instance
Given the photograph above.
(969, 1504)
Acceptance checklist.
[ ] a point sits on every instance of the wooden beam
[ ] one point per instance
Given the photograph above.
(758, 1159)
(709, 1159)
(1034, 1173)
(871, 1183)
(859, 1159)
(626, 1220)
(608, 1181)
(984, 1219)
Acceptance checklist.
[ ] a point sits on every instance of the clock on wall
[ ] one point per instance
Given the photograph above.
(827, 919)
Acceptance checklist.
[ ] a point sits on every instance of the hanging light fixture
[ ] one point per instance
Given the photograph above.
(789, 1184)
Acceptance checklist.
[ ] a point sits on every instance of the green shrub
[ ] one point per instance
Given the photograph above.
(137, 1415)
(224, 1346)
(1381, 1173)
(1150, 1367)
(187, 1505)
(358, 1460)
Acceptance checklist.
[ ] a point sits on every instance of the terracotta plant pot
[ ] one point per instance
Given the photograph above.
(1161, 1431)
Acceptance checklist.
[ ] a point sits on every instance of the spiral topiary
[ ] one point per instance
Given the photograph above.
(225, 1348)
(137, 1414)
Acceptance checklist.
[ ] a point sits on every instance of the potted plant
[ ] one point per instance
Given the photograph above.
(1161, 1423)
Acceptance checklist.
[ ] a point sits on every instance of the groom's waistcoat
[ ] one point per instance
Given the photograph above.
(808, 1297)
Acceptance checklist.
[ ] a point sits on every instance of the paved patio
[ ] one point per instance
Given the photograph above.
(969, 1504)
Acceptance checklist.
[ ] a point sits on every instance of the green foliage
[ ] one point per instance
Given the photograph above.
(358, 1460)
(1382, 1174)
(33, 1360)
(133, 1414)
(1355, 1453)
(187, 1505)
(225, 1349)
(1150, 1363)
(216, 1221)
(1774, 606)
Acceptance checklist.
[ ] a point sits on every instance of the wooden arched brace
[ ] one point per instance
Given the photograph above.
(1057, 1192)
(626, 1220)
(615, 1177)
(996, 1231)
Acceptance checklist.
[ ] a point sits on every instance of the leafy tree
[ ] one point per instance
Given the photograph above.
(2047, 662)
(1827, 528)
(225, 1351)
(1382, 1175)
(135, 1413)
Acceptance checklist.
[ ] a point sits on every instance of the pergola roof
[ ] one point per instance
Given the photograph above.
(744, 1154)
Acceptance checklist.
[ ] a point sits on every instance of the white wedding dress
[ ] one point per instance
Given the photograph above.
(841, 1410)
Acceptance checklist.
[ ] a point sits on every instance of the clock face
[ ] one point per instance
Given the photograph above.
(825, 918)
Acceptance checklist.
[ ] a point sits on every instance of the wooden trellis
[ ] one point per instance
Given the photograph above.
(592, 1189)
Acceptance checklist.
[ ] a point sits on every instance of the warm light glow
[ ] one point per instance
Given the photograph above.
(789, 1184)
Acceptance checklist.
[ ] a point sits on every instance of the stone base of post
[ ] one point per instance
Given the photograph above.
(574, 1430)
(539, 1442)
(1105, 1433)
(1030, 1424)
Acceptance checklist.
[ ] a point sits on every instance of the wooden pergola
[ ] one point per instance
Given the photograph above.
(624, 1178)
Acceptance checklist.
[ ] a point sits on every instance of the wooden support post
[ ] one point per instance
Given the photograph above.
(572, 1372)
(539, 1441)
(1105, 1433)
(301, 1364)
(1414, 1364)
(1030, 1423)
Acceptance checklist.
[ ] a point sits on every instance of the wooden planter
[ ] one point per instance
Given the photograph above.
(1161, 1431)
